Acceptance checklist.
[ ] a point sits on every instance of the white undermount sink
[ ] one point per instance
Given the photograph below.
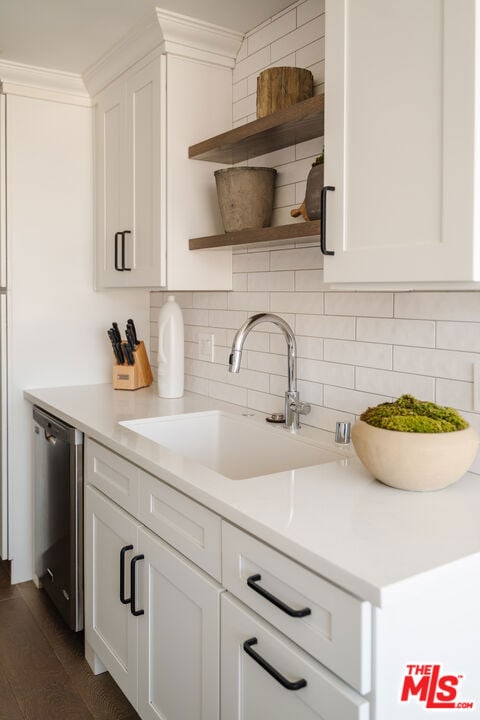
(237, 447)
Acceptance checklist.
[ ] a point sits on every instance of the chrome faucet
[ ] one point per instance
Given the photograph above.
(293, 407)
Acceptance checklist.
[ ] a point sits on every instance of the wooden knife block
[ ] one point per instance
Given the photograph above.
(132, 377)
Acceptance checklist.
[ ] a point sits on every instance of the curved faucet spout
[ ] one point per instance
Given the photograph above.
(293, 407)
(241, 335)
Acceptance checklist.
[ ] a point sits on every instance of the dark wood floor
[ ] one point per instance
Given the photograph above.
(43, 674)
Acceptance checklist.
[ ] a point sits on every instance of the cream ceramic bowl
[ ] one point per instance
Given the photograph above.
(415, 461)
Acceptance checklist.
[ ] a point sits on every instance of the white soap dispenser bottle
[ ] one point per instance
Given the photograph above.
(170, 350)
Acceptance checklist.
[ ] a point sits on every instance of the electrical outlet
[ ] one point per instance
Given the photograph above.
(206, 347)
(476, 386)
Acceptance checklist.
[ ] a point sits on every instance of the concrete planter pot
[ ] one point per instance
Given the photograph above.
(245, 197)
(415, 461)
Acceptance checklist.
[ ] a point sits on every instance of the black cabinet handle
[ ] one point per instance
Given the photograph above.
(125, 232)
(117, 266)
(297, 685)
(251, 582)
(323, 221)
(124, 550)
(133, 586)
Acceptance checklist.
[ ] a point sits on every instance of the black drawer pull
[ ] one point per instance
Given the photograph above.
(124, 550)
(117, 267)
(297, 685)
(323, 221)
(251, 582)
(125, 232)
(133, 586)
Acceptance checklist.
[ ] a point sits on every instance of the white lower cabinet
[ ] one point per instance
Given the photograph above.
(264, 675)
(151, 617)
(168, 632)
(179, 668)
(111, 539)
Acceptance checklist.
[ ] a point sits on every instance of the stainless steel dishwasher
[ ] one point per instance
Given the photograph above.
(59, 514)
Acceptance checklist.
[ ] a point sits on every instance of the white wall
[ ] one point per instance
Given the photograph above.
(56, 322)
(355, 349)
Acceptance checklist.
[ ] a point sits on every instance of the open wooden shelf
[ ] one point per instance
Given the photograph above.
(295, 124)
(285, 233)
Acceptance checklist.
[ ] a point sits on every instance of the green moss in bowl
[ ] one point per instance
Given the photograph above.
(407, 414)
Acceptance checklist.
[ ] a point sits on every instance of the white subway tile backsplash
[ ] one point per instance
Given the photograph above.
(326, 326)
(459, 336)
(250, 379)
(251, 262)
(297, 302)
(438, 363)
(251, 64)
(297, 39)
(359, 353)
(226, 318)
(309, 149)
(255, 340)
(284, 196)
(309, 54)
(196, 384)
(264, 403)
(240, 282)
(355, 349)
(292, 172)
(454, 393)
(394, 384)
(228, 393)
(210, 300)
(271, 281)
(420, 333)
(460, 306)
(354, 401)
(326, 419)
(268, 363)
(326, 373)
(298, 259)
(309, 10)
(244, 107)
(251, 301)
(272, 31)
(370, 304)
(308, 280)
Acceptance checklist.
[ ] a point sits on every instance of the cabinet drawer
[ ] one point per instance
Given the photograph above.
(329, 623)
(113, 475)
(250, 692)
(183, 523)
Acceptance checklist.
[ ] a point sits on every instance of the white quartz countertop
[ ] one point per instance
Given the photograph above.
(335, 519)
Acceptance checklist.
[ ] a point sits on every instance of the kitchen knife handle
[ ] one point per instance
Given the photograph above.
(133, 585)
(117, 267)
(125, 232)
(134, 331)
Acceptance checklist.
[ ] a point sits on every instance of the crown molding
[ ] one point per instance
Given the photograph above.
(164, 32)
(43, 83)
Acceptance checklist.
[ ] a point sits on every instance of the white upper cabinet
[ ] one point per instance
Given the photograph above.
(400, 134)
(161, 88)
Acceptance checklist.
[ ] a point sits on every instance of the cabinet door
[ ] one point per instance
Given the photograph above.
(399, 133)
(110, 190)
(179, 637)
(144, 209)
(110, 628)
(250, 692)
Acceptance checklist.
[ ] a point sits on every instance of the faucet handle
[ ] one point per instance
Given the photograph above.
(299, 407)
